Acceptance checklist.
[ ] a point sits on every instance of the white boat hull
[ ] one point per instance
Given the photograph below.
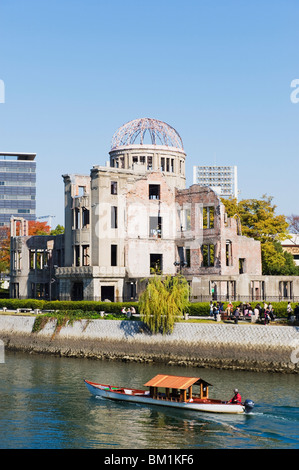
(104, 392)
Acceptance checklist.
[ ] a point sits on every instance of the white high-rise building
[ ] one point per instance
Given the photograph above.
(222, 179)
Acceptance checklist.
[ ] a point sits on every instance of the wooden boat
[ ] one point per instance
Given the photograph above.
(172, 391)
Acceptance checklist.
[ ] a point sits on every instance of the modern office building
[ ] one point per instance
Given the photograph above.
(17, 186)
(222, 179)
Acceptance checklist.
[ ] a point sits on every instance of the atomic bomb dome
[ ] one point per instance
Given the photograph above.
(147, 144)
(136, 131)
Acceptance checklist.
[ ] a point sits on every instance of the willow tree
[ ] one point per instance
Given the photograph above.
(163, 302)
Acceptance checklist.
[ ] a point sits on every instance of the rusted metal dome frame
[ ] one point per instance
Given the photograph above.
(160, 134)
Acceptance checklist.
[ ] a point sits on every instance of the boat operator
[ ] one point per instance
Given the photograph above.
(236, 398)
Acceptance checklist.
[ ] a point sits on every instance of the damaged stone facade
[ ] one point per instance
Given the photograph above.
(133, 219)
(33, 262)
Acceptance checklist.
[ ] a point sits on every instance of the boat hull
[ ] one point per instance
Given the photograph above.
(140, 396)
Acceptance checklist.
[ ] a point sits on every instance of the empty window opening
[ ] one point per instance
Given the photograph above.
(188, 257)
(228, 253)
(85, 255)
(208, 217)
(107, 293)
(156, 263)
(85, 217)
(81, 191)
(241, 265)
(155, 227)
(208, 255)
(77, 291)
(77, 218)
(77, 255)
(113, 255)
(113, 217)
(154, 191)
(114, 187)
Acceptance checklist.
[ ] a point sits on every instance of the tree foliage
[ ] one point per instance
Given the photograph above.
(293, 223)
(163, 302)
(38, 228)
(259, 220)
(4, 249)
(59, 230)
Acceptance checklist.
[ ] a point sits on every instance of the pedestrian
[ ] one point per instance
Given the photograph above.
(296, 312)
(215, 311)
(266, 316)
(133, 311)
(229, 308)
(271, 311)
(289, 310)
(237, 315)
(256, 311)
(211, 309)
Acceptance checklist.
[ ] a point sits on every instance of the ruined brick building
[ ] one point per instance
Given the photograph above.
(133, 218)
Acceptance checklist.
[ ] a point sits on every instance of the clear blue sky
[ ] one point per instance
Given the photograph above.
(218, 71)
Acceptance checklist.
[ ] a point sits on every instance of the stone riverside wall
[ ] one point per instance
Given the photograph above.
(243, 346)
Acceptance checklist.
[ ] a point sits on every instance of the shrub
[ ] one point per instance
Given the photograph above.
(199, 309)
(92, 308)
(68, 305)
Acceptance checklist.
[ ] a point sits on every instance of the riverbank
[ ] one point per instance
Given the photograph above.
(227, 346)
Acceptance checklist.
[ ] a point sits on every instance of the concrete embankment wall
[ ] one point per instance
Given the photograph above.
(243, 346)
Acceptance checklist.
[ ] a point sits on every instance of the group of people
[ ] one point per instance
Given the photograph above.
(264, 312)
(294, 313)
(129, 312)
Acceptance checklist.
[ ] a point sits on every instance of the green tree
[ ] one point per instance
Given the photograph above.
(163, 302)
(59, 230)
(259, 221)
(276, 261)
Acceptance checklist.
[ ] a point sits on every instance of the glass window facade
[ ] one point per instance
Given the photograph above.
(17, 188)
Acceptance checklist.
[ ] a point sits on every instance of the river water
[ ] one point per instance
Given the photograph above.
(44, 404)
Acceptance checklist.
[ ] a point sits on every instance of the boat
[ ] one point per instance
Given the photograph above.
(172, 391)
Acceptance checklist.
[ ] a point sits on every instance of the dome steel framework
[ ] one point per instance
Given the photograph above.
(134, 132)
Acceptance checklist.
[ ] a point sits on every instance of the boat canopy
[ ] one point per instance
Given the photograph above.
(176, 382)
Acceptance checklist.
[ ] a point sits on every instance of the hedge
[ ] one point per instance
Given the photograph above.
(194, 309)
(109, 307)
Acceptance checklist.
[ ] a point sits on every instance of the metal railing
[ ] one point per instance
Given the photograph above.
(243, 298)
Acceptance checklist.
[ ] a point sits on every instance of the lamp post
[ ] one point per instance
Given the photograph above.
(181, 264)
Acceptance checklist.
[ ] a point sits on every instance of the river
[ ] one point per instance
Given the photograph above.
(45, 405)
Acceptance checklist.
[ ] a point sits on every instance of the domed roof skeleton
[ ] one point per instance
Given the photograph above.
(160, 134)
